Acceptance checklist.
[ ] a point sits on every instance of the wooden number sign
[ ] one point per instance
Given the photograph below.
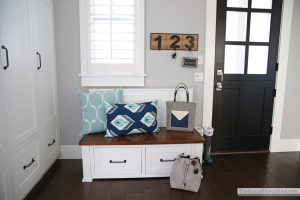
(167, 41)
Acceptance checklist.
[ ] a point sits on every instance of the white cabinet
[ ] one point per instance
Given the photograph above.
(29, 130)
(18, 80)
(44, 60)
(133, 161)
(5, 181)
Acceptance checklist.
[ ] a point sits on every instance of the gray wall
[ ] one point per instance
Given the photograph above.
(291, 118)
(163, 16)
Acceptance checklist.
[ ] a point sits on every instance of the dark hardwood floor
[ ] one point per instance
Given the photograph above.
(221, 180)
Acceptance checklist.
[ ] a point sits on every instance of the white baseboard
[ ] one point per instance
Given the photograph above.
(70, 152)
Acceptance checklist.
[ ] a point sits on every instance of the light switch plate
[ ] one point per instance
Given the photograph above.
(200, 59)
(198, 76)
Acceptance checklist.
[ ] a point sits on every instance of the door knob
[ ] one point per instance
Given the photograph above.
(219, 86)
(220, 73)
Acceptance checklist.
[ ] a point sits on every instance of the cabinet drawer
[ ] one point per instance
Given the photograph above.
(159, 160)
(26, 166)
(116, 161)
(51, 145)
(5, 183)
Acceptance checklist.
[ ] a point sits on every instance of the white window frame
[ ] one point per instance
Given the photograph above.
(113, 78)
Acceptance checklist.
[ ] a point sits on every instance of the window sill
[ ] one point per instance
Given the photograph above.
(112, 79)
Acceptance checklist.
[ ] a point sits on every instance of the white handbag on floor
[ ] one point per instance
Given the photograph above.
(186, 173)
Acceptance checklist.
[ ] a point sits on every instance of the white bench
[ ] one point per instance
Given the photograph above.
(136, 156)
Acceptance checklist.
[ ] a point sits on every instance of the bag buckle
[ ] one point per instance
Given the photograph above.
(194, 163)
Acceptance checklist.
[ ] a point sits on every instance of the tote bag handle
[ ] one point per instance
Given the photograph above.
(184, 87)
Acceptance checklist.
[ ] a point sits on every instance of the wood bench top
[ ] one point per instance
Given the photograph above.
(162, 137)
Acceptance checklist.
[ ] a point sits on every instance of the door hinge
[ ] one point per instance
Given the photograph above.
(271, 132)
(274, 92)
(277, 64)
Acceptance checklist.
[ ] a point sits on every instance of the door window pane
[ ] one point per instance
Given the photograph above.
(236, 26)
(237, 3)
(258, 59)
(264, 4)
(234, 59)
(260, 27)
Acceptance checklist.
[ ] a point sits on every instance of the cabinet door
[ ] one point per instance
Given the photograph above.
(5, 181)
(3, 149)
(43, 38)
(17, 81)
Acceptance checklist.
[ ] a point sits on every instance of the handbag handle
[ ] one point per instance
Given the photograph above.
(184, 87)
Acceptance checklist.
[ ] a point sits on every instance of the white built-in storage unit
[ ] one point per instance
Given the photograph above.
(29, 130)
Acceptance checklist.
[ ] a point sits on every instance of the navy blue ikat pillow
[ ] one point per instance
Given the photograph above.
(125, 119)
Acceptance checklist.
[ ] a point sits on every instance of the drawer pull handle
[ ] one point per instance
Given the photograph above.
(40, 59)
(162, 160)
(7, 60)
(51, 143)
(25, 166)
(117, 161)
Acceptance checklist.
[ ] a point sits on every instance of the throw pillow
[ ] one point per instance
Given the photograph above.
(93, 112)
(125, 119)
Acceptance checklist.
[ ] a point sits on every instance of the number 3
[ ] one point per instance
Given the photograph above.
(191, 42)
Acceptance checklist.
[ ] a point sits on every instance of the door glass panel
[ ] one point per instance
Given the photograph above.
(258, 59)
(234, 59)
(236, 26)
(260, 27)
(237, 3)
(264, 4)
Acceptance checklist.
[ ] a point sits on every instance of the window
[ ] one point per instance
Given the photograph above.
(112, 42)
(247, 40)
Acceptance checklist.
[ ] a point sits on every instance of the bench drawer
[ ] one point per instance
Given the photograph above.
(159, 160)
(116, 161)
(26, 166)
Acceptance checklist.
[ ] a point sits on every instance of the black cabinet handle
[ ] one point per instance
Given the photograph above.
(162, 160)
(7, 60)
(40, 60)
(117, 161)
(25, 166)
(51, 143)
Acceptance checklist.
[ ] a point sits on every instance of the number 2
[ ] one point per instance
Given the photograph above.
(173, 45)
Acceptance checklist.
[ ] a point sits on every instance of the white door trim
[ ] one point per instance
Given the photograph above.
(277, 144)
(209, 67)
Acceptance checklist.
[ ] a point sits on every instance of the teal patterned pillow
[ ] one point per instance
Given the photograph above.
(94, 116)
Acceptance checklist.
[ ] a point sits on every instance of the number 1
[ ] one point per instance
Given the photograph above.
(159, 42)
